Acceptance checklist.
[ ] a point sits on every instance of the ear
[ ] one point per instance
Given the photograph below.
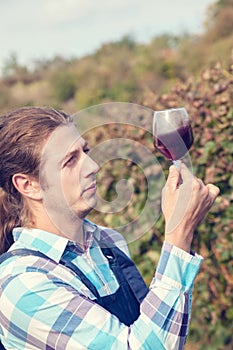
(27, 186)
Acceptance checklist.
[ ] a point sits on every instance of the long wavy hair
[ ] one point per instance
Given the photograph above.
(23, 133)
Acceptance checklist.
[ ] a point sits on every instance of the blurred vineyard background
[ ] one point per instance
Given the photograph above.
(194, 71)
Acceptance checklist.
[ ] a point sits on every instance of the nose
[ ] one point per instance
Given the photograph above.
(90, 166)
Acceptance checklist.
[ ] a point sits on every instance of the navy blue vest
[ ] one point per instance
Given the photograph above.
(125, 302)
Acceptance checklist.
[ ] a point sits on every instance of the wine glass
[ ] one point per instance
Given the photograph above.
(172, 133)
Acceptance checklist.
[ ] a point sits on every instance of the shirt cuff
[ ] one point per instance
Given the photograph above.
(177, 268)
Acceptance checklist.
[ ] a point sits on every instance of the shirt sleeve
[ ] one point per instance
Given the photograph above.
(168, 304)
(41, 311)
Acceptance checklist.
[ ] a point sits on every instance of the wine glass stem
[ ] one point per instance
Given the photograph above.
(177, 164)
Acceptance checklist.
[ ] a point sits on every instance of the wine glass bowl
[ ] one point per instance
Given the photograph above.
(172, 133)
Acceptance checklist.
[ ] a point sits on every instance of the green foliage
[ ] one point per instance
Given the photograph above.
(63, 86)
(219, 22)
(124, 70)
(209, 102)
(4, 96)
(12, 67)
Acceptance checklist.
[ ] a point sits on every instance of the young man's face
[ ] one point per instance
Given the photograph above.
(68, 174)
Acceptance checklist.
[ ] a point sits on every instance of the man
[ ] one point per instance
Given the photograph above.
(67, 283)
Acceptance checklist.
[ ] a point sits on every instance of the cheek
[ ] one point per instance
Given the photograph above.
(71, 182)
(50, 176)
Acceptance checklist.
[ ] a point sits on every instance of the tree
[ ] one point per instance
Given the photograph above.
(12, 67)
(219, 22)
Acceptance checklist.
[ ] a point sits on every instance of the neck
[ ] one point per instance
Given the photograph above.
(66, 225)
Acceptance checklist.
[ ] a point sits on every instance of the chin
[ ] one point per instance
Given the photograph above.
(90, 201)
(83, 213)
(89, 205)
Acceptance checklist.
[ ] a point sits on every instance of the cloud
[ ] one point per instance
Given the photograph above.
(61, 11)
(34, 29)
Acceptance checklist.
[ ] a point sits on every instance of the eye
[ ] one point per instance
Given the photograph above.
(86, 150)
(71, 160)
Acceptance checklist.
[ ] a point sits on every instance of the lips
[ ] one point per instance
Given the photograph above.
(91, 187)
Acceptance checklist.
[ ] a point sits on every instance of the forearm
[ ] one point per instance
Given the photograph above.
(170, 304)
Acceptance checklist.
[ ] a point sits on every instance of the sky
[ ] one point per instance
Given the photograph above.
(41, 29)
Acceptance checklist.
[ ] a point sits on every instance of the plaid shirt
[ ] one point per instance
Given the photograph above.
(45, 306)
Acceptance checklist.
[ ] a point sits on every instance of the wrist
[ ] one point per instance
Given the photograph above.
(180, 237)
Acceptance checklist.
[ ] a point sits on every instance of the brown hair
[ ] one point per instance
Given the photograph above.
(23, 132)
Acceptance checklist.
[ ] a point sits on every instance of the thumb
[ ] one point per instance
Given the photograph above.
(213, 191)
(173, 178)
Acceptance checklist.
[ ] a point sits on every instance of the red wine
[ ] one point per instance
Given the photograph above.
(175, 144)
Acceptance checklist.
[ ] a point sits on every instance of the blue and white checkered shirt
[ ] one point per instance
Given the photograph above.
(45, 306)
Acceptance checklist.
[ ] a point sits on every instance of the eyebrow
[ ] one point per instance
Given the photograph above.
(76, 151)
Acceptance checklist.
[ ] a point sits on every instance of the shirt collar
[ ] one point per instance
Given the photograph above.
(49, 243)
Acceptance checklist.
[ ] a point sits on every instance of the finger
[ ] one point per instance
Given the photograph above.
(213, 191)
(173, 177)
(200, 184)
(186, 173)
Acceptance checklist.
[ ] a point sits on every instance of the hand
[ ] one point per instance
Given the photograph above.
(184, 206)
